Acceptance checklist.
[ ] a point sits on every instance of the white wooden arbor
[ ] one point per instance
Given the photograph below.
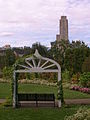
(33, 65)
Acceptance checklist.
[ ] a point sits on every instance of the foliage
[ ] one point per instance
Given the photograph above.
(75, 56)
(66, 76)
(85, 79)
(50, 77)
(78, 44)
(28, 76)
(20, 61)
(81, 114)
(2, 62)
(60, 92)
(7, 73)
(58, 50)
(86, 65)
(41, 48)
(27, 50)
(9, 58)
(75, 78)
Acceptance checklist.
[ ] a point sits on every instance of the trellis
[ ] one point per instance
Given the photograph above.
(34, 64)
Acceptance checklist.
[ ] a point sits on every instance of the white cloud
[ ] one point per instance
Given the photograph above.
(5, 34)
(38, 17)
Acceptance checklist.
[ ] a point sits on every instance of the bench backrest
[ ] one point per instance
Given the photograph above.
(36, 97)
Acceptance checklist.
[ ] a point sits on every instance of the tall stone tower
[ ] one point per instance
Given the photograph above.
(63, 29)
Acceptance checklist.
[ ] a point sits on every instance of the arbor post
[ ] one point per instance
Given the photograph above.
(59, 98)
(14, 90)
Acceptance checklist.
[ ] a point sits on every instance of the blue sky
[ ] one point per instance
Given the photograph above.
(24, 22)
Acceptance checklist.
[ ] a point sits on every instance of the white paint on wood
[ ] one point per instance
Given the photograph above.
(37, 69)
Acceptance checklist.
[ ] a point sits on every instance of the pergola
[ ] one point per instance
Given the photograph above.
(33, 65)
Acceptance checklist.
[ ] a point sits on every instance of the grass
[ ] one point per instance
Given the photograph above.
(36, 113)
(5, 90)
(7, 113)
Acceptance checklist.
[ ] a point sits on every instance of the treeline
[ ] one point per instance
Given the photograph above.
(71, 56)
(74, 57)
(11, 55)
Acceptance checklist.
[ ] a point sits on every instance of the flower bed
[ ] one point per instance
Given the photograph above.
(78, 88)
(37, 81)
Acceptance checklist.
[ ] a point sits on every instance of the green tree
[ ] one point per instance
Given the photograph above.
(58, 51)
(85, 79)
(7, 73)
(9, 58)
(86, 65)
(41, 49)
(75, 56)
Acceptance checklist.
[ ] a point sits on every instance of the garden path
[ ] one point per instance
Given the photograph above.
(67, 101)
(77, 101)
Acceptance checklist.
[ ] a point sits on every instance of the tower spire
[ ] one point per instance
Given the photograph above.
(63, 32)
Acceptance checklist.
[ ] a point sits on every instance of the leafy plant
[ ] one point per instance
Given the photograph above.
(82, 114)
(75, 78)
(66, 75)
(7, 72)
(86, 65)
(60, 91)
(85, 79)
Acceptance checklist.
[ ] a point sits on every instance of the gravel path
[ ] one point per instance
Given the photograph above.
(77, 101)
(2, 101)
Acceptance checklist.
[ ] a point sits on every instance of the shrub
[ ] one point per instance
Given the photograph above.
(86, 65)
(82, 114)
(7, 72)
(66, 75)
(75, 78)
(85, 79)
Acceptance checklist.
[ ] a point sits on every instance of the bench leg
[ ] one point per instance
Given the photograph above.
(19, 104)
(54, 103)
(36, 103)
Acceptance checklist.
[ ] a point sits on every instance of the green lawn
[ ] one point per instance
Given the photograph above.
(7, 113)
(36, 113)
(5, 90)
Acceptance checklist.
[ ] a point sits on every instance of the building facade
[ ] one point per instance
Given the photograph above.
(63, 29)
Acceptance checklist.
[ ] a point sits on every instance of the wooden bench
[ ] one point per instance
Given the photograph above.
(36, 97)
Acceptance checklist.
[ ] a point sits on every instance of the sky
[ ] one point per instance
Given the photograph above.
(24, 22)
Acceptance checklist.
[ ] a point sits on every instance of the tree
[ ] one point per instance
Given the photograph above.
(7, 73)
(41, 49)
(9, 58)
(85, 79)
(75, 56)
(78, 44)
(58, 51)
(27, 50)
(86, 65)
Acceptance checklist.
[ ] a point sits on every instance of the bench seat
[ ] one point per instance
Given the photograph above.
(36, 97)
